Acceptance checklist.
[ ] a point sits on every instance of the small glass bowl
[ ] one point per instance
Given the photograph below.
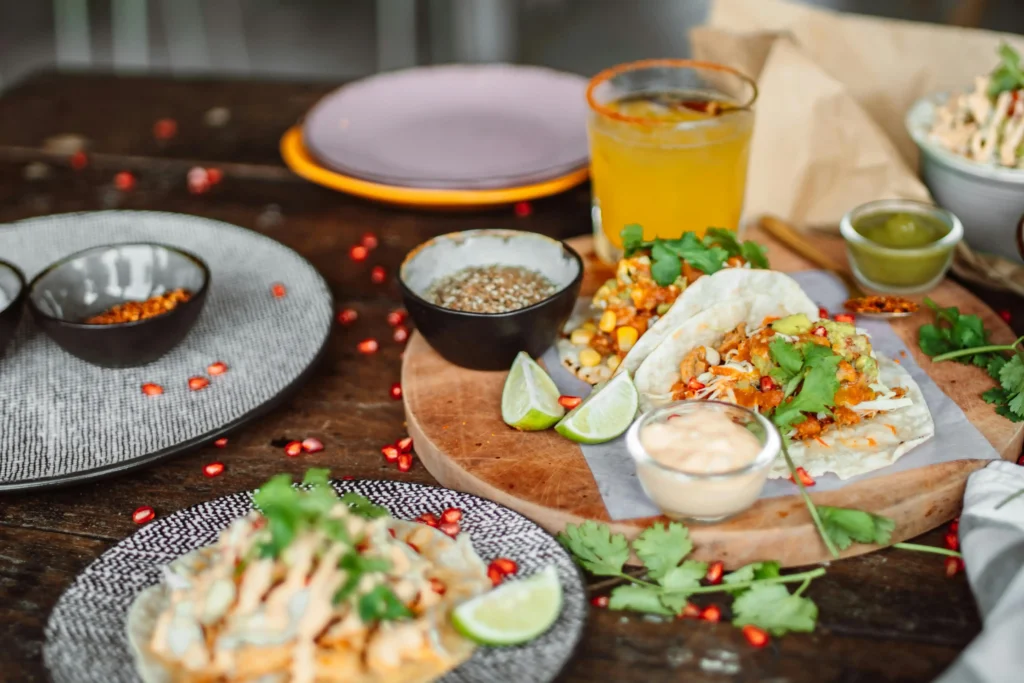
(899, 271)
(698, 496)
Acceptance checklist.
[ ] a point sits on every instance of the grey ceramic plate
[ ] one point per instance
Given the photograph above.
(453, 127)
(85, 636)
(67, 421)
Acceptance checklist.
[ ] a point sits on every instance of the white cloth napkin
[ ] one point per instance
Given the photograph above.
(992, 542)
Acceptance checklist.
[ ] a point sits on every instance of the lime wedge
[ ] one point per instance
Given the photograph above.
(604, 414)
(513, 613)
(529, 400)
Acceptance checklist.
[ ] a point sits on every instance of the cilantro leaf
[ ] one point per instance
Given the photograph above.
(752, 572)
(638, 598)
(632, 239)
(685, 577)
(708, 260)
(675, 602)
(1012, 374)
(1008, 75)
(771, 607)
(995, 395)
(754, 254)
(665, 265)
(934, 340)
(362, 506)
(787, 356)
(381, 604)
(726, 239)
(661, 547)
(595, 547)
(845, 525)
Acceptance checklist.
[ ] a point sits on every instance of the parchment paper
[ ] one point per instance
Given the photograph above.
(955, 437)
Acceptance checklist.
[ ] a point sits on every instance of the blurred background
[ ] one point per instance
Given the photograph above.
(336, 39)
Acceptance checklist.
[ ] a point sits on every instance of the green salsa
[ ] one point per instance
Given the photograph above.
(901, 252)
(901, 230)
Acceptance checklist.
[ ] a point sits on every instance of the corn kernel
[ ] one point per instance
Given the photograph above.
(613, 362)
(581, 336)
(589, 326)
(589, 358)
(607, 322)
(626, 336)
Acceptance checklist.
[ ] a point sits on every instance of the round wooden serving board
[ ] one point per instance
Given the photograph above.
(454, 417)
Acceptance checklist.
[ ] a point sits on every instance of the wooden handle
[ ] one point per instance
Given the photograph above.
(798, 244)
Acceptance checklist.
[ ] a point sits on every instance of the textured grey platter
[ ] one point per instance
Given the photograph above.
(85, 636)
(64, 421)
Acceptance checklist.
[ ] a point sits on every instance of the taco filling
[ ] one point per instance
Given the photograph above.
(808, 376)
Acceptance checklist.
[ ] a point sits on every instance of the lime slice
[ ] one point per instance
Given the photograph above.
(513, 613)
(604, 414)
(529, 400)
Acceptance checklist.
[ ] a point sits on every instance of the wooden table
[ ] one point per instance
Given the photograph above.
(890, 615)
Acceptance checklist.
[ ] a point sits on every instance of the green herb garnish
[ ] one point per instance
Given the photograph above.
(1008, 74)
(708, 255)
(761, 598)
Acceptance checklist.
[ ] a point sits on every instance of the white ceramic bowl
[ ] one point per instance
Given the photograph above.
(988, 199)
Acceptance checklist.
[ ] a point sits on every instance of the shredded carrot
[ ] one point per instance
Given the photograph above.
(892, 429)
(818, 439)
(896, 361)
(872, 442)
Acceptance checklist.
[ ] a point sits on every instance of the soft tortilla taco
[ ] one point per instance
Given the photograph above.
(346, 598)
(844, 408)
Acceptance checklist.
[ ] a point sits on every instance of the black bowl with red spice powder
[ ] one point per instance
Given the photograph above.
(479, 297)
(120, 305)
(12, 296)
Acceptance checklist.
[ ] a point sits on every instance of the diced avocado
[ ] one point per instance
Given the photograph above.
(838, 331)
(868, 367)
(792, 325)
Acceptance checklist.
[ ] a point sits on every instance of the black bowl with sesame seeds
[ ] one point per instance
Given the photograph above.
(84, 302)
(12, 296)
(479, 297)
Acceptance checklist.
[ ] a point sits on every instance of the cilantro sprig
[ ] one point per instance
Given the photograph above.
(964, 338)
(708, 255)
(761, 598)
(1008, 74)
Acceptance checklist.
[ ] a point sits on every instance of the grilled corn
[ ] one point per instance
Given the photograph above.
(589, 358)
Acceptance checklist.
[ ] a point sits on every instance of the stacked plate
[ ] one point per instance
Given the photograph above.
(454, 135)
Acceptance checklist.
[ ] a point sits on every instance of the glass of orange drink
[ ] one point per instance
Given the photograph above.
(669, 145)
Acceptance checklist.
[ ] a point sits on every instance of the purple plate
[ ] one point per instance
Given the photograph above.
(454, 127)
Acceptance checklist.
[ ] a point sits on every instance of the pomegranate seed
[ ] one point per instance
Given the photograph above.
(805, 479)
(404, 444)
(347, 477)
(347, 316)
(198, 180)
(953, 566)
(505, 565)
(378, 275)
(714, 575)
(768, 384)
(1020, 460)
(312, 445)
(214, 175)
(569, 402)
(78, 160)
(396, 391)
(438, 586)
(691, 611)
(150, 389)
(404, 462)
(820, 331)
(401, 334)
(599, 601)
(124, 181)
(823, 313)
(396, 317)
(165, 129)
(217, 368)
(221, 442)
(694, 385)
(293, 449)
(954, 526)
(711, 613)
(1005, 315)
(278, 290)
(368, 346)
(415, 547)
(198, 383)
(452, 529)
(213, 469)
(522, 209)
(845, 318)
(755, 636)
(452, 515)
(390, 453)
(358, 253)
(495, 576)
(952, 541)
(143, 514)
(369, 240)
(428, 518)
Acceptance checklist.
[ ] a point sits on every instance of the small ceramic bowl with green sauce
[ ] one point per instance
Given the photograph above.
(899, 246)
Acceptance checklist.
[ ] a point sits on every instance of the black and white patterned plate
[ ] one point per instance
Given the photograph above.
(63, 420)
(85, 636)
